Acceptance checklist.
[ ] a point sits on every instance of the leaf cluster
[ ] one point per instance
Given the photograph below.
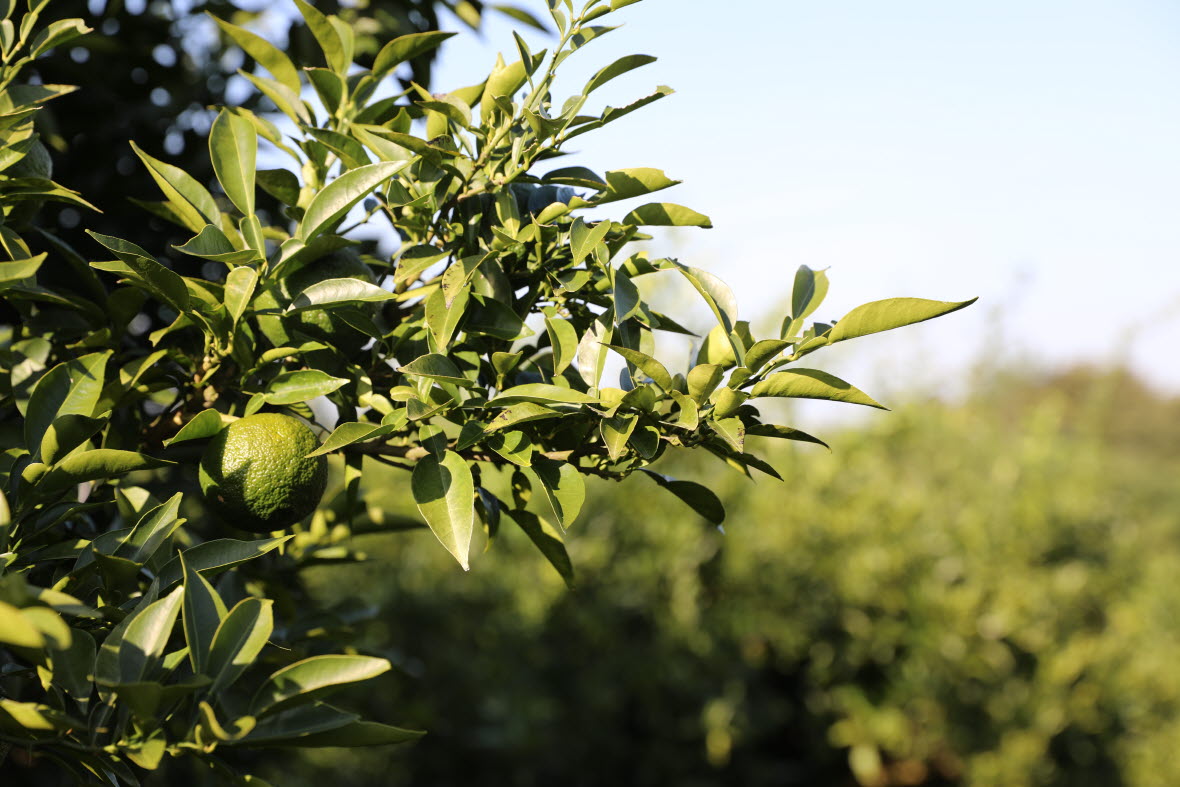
(474, 357)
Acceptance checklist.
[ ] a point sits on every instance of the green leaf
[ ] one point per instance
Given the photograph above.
(146, 636)
(354, 733)
(192, 202)
(212, 244)
(233, 149)
(326, 36)
(703, 380)
(436, 367)
(627, 183)
(583, 238)
(203, 613)
(521, 15)
(762, 351)
(20, 269)
(239, 639)
(732, 431)
(689, 415)
(812, 384)
(70, 388)
(521, 413)
(349, 433)
(56, 34)
(666, 214)
(646, 364)
(213, 557)
(720, 299)
(96, 465)
(541, 393)
(615, 69)
(239, 289)
(441, 319)
(784, 433)
(298, 726)
(204, 424)
(282, 184)
(404, 48)
(563, 485)
(514, 446)
(616, 431)
(152, 529)
(445, 492)
(338, 197)
(166, 285)
(592, 349)
(806, 296)
(66, 433)
(889, 314)
(294, 387)
(548, 539)
(17, 630)
(563, 337)
(700, 498)
(265, 53)
(338, 292)
(311, 676)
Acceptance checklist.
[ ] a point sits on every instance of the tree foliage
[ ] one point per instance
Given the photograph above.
(475, 358)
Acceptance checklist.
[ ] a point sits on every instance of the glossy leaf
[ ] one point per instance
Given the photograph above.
(563, 485)
(95, 465)
(312, 675)
(889, 314)
(239, 639)
(145, 637)
(338, 292)
(445, 493)
(294, 387)
(233, 149)
(812, 384)
(616, 431)
(192, 202)
(204, 424)
(542, 393)
(203, 612)
(212, 557)
(646, 364)
(338, 197)
(349, 433)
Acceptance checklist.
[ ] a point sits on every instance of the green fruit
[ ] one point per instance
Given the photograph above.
(320, 324)
(256, 475)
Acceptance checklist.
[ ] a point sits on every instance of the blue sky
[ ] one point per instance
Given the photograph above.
(1025, 152)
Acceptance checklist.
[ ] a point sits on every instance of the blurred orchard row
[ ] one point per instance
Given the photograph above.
(982, 593)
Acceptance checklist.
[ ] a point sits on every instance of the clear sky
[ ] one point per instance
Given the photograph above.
(1025, 151)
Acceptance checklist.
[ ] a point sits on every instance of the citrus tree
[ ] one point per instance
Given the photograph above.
(170, 414)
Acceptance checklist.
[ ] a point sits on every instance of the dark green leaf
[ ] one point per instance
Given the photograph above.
(701, 499)
(548, 539)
